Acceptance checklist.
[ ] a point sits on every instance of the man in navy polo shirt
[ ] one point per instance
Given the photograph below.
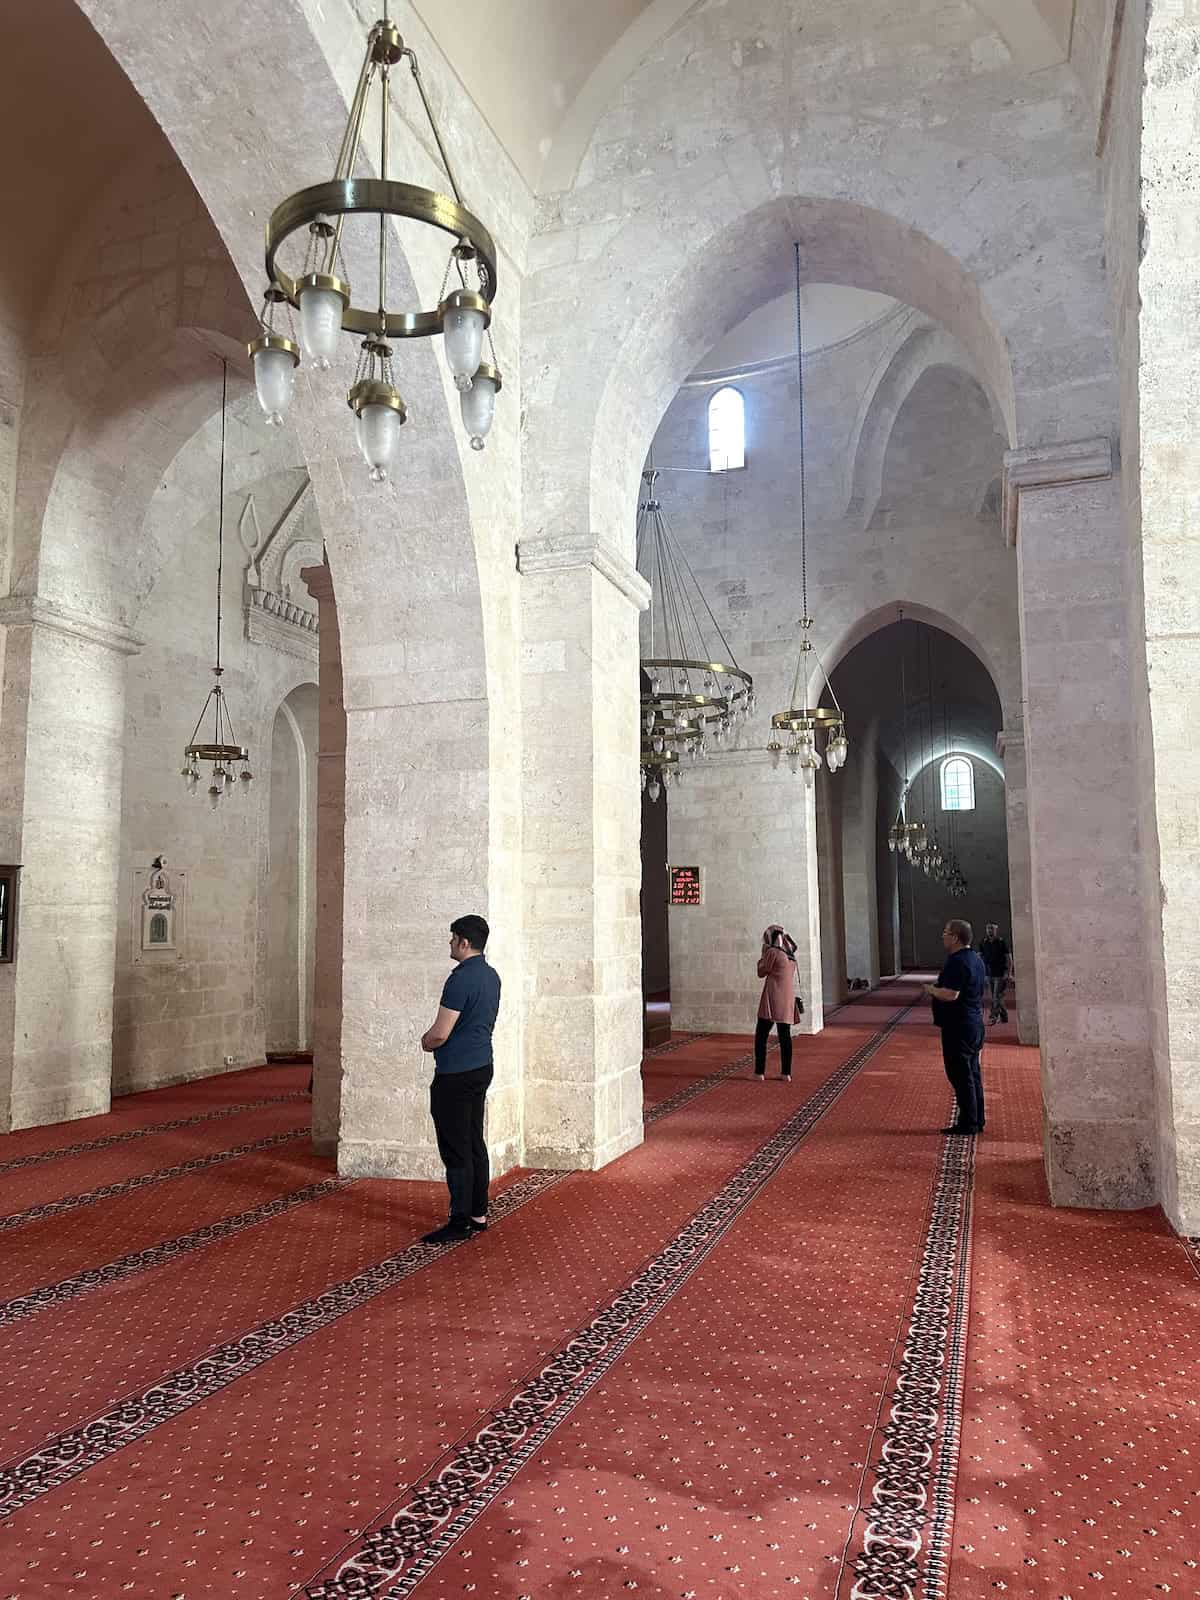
(460, 1042)
(957, 999)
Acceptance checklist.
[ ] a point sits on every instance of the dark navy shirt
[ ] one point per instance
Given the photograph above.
(965, 972)
(473, 990)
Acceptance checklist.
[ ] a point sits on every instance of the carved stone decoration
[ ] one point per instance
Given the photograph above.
(158, 919)
(278, 608)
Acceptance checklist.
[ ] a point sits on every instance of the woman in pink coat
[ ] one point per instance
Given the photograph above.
(777, 1008)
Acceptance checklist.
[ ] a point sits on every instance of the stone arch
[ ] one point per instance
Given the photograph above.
(428, 666)
(646, 266)
(985, 645)
(920, 346)
(290, 889)
(747, 263)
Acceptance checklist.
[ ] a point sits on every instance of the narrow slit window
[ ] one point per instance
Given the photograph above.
(958, 784)
(726, 431)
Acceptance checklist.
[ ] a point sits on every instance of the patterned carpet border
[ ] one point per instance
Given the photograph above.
(72, 1202)
(912, 1497)
(399, 1553)
(157, 1255)
(110, 1139)
(73, 1452)
(77, 1450)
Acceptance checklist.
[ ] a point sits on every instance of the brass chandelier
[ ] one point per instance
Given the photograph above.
(913, 838)
(693, 691)
(320, 290)
(222, 752)
(801, 721)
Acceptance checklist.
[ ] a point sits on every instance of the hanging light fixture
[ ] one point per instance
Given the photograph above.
(693, 691)
(321, 293)
(222, 753)
(802, 721)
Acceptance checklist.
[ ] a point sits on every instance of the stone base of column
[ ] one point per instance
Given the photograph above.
(1101, 1165)
(39, 1108)
(581, 1127)
(1027, 1026)
(382, 1158)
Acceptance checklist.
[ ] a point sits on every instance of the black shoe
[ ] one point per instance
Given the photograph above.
(476, 1227)
(967, 1133)
(785, 1077)
(448, 1233)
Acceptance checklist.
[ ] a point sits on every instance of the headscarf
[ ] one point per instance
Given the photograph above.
(778, 939)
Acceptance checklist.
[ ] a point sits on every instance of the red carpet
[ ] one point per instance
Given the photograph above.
(736, 1362)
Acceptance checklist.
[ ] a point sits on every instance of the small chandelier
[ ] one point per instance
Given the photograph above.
(321, 289)
(693, 691)
(222, 752)
(802, 721)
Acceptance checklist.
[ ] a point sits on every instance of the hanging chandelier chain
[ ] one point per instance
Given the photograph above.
(221, 506)
(800, 407)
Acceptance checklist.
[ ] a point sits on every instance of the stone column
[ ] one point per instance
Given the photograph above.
(580, 602)
(1160, 253)
(331, 848)
(1010, 747)
(62, 744)
(1063, 505)
(752, 829)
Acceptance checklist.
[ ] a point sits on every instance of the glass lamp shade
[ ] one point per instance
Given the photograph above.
(381, 413)
(655, 789)
(378, 435)
(275, 362)
(215, 791)
(464, 318)
(479, 406)
(322, 301)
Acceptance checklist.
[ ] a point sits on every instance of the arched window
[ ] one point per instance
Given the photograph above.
(958, 784)
(726, 431)
(158, 928)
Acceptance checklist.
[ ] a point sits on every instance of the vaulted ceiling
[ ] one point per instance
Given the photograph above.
(543, 71)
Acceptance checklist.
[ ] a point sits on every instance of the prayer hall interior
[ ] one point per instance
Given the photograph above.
(710, 487)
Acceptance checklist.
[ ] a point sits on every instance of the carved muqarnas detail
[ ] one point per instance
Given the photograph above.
(277, 609)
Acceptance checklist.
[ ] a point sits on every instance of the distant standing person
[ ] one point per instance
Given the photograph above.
(957, 998)
(998, 960)
(460, 1042)
(779, 1006)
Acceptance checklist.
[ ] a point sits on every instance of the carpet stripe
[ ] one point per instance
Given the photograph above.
(73, 1452)
(72, 1202)
(400, 1553)
(915, 1472)
(110, 1139)
(156, 1255)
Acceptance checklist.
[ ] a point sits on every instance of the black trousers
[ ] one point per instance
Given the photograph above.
(456, 1101)
(960, 1056)
(762, 1032)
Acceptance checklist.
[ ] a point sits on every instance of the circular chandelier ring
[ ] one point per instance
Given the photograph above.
(378, 196)
(697, 666)
(797, 719)
(217, 752)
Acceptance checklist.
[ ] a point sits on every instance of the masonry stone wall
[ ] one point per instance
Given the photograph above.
(187, 1018)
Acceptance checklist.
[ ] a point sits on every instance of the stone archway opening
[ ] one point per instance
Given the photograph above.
(291, 901)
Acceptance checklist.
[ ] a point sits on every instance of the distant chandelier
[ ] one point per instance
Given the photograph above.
(918, 843)
(222, 752)
(321, 291)
(802, 720)
(694, 693)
